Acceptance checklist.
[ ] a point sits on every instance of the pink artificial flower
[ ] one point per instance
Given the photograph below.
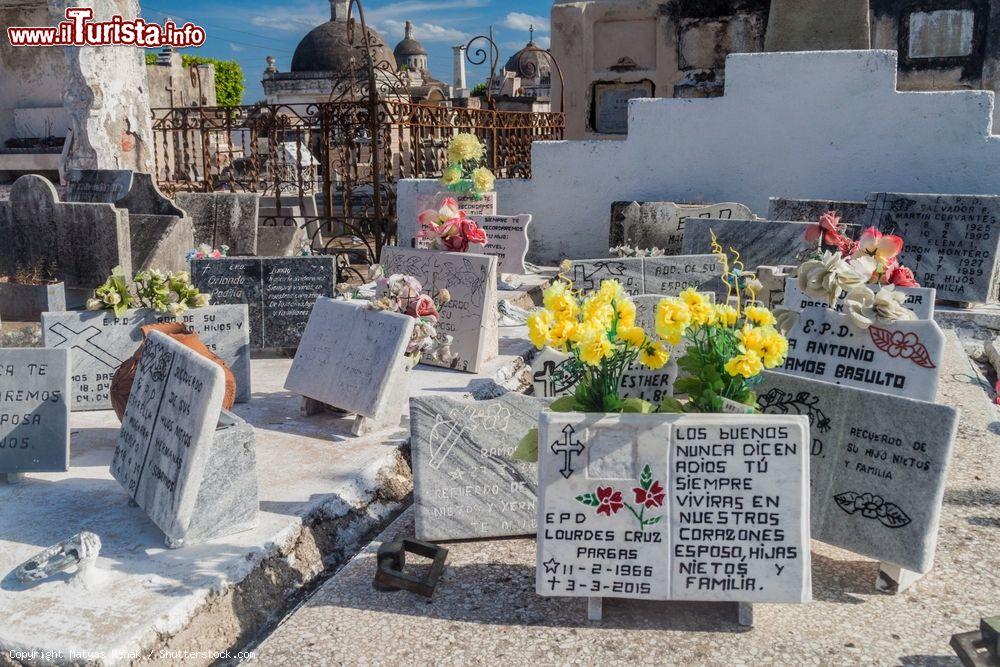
(423, 306)
(428, 218)
(450, 209)
(826, 231)
(456, 243)
(883, 247)
(902, 276)
(472, 232)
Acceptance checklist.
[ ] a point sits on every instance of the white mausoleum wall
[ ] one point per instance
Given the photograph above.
(824, 125)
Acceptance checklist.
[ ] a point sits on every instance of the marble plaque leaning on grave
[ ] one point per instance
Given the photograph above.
(918, 299)
(34, 410)
(809, 210)
(952, 242)
(587, 274)
(465, 482)
(186, 462)
(759, 242)
(352, 358)
(508, 240)
(658, 507)
(669, 276)
(878, 467)
(902, 358)
(660, 224)
(471, 316)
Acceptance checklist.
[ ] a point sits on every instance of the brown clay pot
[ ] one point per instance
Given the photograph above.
(121, 383)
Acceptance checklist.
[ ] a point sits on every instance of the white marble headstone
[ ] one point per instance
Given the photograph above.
(918, 299)
(507, 240)
(660, 224)
(34, 410)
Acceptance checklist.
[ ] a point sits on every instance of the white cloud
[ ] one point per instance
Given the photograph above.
(424, 32)
(521, 21)
(235, 47)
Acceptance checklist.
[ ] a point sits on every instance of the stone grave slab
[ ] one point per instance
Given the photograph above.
(353, 358)
(951, 242)
(918, 299)
(101, 342)
(134, 191)
(851, 213)
(34, 410)
(193, 481)
(903, 358)
(508, 240)
(160, 241)
(485, 204)
(471, 316)
(878, 466)
(279, 292)
(550, 376)
(465, 483)
(587, 274)
(656, 507)
(669, 276)
(82, 242)
(661, 224)
(223, 218)
(759, 242)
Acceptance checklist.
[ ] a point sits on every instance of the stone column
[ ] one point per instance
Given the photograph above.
(458, 60)
(818, 25)
(107, 97)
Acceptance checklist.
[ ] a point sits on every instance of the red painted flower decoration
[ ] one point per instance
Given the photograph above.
(651, 497)
(900, 345)
(610, 501)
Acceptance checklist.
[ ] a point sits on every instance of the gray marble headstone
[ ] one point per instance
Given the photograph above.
(809, 210)
(465, 483)
(34, 410)
(353, 358)
(759, 242)
(184, 461)
(879, 466)
(279, 291)
(223, 218)
(101, 342)
(471, 316)
(82, 242)
(134, 191)
(918, 299)
(507, 240)
(669, 276)
(648, 507)
(951, 242)
(660, 224)
(903, 358)
(587, 274)
(160, 242)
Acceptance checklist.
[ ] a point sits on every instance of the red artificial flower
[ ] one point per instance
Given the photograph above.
(652, 498)
(472, 232)
(422, 306)
(902, 276)
(610, 500)
(825, 231)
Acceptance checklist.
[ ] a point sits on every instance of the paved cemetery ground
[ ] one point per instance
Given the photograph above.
(487, 610)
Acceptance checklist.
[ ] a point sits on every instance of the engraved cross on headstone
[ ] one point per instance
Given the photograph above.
(84, 341)
(567, 447)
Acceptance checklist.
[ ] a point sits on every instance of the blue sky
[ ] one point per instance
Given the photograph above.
(250, 30)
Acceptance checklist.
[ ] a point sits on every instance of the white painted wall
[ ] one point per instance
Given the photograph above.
(823, 125)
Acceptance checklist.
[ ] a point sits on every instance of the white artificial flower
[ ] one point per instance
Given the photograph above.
(113, 299)
(865, 308)
(95, 304)
(202, 300)
(826, 277)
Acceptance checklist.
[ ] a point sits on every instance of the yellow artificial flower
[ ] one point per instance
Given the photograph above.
(672, 318)
(561, 333)
(482, 179)
(464, 147)
(632, 335)
(594, 348)
(451, 175)
(626, 311)
(595, 309)
(611, 290)
(559, 300)
(701, 307)
(775, 347)
(654, 356)
(762, 317)
(726, 315)
(539, 327)
(584, 330)
(747, 365)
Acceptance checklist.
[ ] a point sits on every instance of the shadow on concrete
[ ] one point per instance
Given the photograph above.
(843, 581)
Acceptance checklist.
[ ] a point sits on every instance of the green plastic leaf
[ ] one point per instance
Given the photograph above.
(646, 478)
(589, 499)
(687, 385)
(671, 405)
(565, 404)
(527, 449)
(637, 405)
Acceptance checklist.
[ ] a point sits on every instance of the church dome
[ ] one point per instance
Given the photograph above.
(327, 49)
(533, 62)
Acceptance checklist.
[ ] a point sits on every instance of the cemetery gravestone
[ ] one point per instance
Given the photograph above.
(918, 299)
(279, 291)
(670, 276)
(642, 382)
(102, 342)
(223, 219)
(951, 242)
(485, 204)
(34, 410)
(878, 466)
(852, 213)
(465, 483)
(610, 110)
(188, 464)
(587, 274)
(353, 358)
(657, 507)
(759, 242)
(902, 358)
(98, 186)
(661, 224)
(550, 376)
(471, 316)
(507, 240)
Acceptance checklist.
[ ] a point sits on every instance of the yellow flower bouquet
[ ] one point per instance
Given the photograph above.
(467, 172)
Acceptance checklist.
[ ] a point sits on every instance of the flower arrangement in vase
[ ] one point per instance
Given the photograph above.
(467, 172)
(404, 294)
(164, 292)
(449, 228)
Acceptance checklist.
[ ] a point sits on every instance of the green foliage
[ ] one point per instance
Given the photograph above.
(229, 80)
(479, 90)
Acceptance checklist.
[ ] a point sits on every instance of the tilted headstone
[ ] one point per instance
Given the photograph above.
(693, 507)
(918, 299)
(279, 291)
(951, 242)
(187, 463)
(81, 242)
(507, 240)
(879, 465)
(134, 191)
(223, 218)
(34, 410)
(902, 358)
(353, 358)
(101, 342)
(661, 224)
(471, 316)
(465, 482)
(759, 242)
(587, 274)
(809, 210)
